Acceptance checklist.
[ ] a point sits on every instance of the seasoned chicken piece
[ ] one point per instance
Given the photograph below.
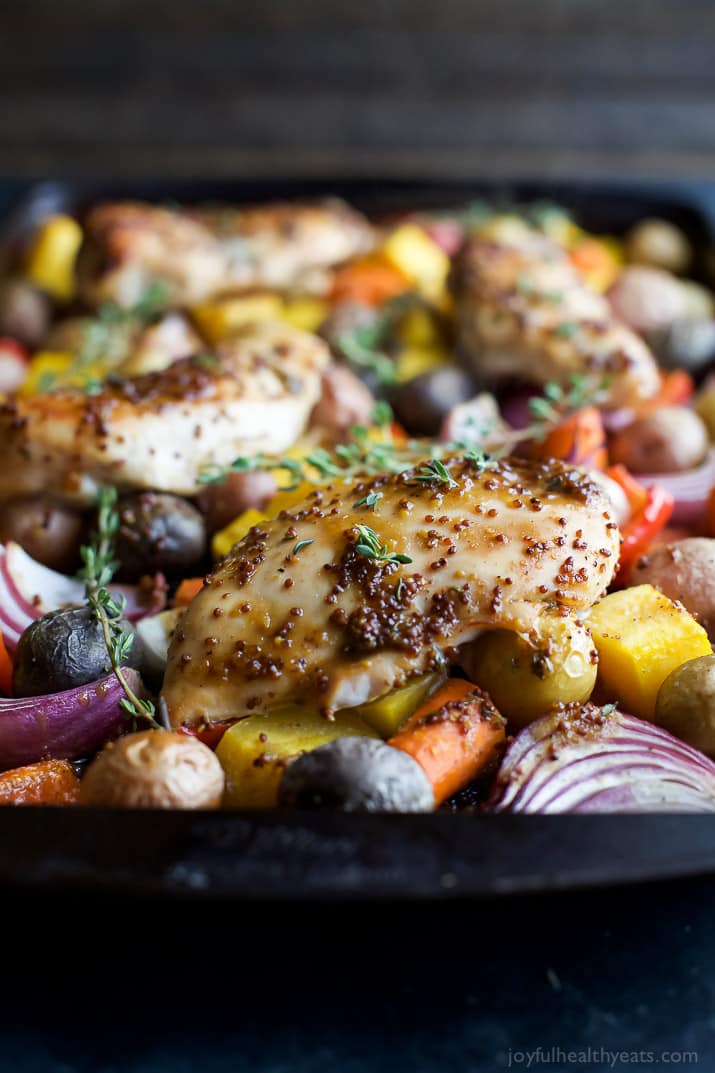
(159, 430)
(297, 612)
(199, 254)
(524, 312)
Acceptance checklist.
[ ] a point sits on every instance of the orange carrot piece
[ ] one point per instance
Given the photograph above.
(676, 389)
(579, 439)
(371, 280)
(51, 782)
(186, 591)
(5, 669)
(453, 736)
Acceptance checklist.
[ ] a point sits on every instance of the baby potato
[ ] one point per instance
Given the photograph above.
(683, 571)
(527, 677)
(647, 299)
(660, 244)
(669, 440)
(686, 704)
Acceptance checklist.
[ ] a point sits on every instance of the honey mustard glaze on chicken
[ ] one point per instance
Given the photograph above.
(298, 612)
(158, 431)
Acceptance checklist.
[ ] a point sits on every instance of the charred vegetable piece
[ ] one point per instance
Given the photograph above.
(50, 782)
(50, 532)
(356, 775)
(255, 751)
(387, 713)
(525, 677)
(154, 769)
(62, 650)
(642, 636)
(158, 532)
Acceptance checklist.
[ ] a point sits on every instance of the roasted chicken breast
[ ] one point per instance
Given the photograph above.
(524, 312)
(202, 253)
(299, 612)
(159, 430)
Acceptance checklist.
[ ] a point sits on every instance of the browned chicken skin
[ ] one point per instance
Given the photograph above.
(199, 254)
(319, 622)
(524, 312)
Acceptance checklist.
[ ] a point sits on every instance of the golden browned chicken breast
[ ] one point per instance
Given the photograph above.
(311, 607)
(195, 255)
(524, 312)
(160, 430)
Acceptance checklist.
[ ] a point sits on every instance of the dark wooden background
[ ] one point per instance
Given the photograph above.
(428, 87)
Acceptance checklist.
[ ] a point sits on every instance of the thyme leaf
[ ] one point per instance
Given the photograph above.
(369, 545)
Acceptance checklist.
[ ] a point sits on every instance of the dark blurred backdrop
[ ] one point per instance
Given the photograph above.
(410, 86)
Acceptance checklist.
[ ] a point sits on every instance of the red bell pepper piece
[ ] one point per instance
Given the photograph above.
(642, 530)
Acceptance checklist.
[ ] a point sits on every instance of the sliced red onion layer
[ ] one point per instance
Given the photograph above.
(28, 590)
(63, 725)
(582, 760)
(690, 489)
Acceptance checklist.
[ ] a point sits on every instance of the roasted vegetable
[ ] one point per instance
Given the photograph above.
(669, 440)
(219, 318)
(421, 404)
(50, 532)
(685, 344)
(454, 736)
(686, 704)
(51, 259)
(386, 714)
(158, 532)
(49, 782)
(24, 312)
(222, 503)
(224, 540)
(525, 677)
(420, 259)
(356, 775)
(684, 571)
(154, 769)
(256, 750)
(62, 650)
(660, 244)
(642, 636)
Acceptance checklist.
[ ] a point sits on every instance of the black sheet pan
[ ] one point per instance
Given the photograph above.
(299, 856)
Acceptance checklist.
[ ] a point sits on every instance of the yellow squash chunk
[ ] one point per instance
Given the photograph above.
(51, 260)
(46, 370)
(419, 328)
(224, 539)
(215, 320)
(413, 361)
(412, 252)
(387, 713)
(255, 751)
(641, 636)
(305, 313)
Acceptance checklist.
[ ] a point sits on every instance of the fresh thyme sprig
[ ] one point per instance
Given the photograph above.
(97, 571)
(369, 545)
(364, 346)
(436, 472)
(370, 500)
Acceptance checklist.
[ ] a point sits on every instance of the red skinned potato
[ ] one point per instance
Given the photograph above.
(647, 299)
(154, 769)
(344, 402)
(221, 503)
(684, 571)
(50, 532)
(672, 439)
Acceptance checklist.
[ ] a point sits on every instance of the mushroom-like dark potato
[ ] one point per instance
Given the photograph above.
(49, 532)
(62, 650)
(223, 502)
(421, 404)
(154, 769)
(356, 775)
(158, 532)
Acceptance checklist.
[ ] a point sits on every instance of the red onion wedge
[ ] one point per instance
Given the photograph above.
(689, 490)
(63, 725)
(586, 759)
(28, 590)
